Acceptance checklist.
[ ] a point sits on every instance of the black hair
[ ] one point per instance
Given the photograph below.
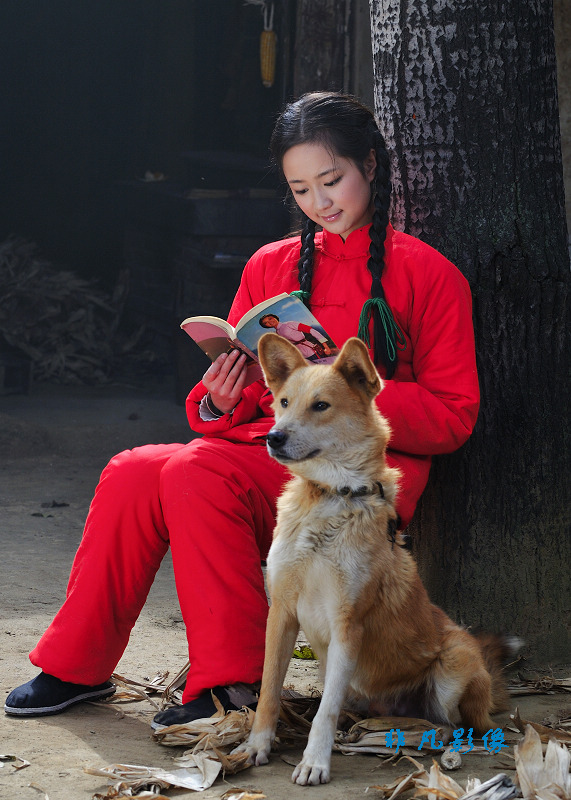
(349, 130)
(261, 320)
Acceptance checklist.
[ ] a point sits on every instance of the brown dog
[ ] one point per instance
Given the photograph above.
(336, 569)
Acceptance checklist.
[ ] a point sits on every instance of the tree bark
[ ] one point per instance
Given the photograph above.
(466, 94)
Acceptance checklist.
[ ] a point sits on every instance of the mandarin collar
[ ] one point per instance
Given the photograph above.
(356, 245)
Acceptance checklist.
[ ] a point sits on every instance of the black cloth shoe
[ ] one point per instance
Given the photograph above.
(231, 698)
(45, 695)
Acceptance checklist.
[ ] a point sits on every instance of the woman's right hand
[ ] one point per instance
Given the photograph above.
(224, 379)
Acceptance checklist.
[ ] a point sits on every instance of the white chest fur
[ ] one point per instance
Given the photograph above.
(326, 556)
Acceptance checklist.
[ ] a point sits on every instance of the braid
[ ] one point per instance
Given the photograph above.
(376, 263)
(305, 263)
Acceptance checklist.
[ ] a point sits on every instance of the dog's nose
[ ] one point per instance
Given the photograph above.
(277, 438)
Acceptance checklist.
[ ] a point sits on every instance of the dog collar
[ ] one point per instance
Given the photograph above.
(361, 491)
(364, 491)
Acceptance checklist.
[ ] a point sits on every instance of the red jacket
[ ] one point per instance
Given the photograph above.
(432, 400)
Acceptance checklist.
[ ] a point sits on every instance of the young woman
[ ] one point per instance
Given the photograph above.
(213, 500)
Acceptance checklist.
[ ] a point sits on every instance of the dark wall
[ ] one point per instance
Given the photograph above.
(232, 109)
(93, 93)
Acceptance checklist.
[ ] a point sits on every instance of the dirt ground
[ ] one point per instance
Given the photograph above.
(53, 444)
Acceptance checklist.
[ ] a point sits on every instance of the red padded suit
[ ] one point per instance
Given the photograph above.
(213, 500)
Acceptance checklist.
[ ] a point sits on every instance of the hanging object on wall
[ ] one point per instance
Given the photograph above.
(268, 42)
(268, 46)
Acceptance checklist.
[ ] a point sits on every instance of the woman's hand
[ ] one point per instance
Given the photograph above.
(225, 380)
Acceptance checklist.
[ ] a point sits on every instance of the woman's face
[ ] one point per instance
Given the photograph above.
(332, 191)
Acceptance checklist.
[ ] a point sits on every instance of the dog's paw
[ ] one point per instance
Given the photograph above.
(257, 747)
(309, 773)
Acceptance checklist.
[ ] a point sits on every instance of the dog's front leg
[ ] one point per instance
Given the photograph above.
(314, 768)
(281, 632)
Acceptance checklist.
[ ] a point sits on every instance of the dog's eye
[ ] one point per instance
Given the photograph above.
(321, 405)
(284, 403)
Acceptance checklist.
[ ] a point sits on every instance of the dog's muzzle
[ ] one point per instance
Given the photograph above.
(277, 440)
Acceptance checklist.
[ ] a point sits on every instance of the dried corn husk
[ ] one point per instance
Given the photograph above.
(545, 684)
(121, 791)
(129, 690)
(198, 774)
(439, 786)
(156, 685)
(401, 784)
(369, 736)
(542, 778)
(545, 733)
(67, 326)
(173, 691)
(214, 738)
(296, 716)
(219, 731)
(500, 787)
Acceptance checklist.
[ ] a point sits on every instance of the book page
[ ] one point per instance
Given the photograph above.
(193, 323)
(288, 317)
(216, 337)
(256, 310)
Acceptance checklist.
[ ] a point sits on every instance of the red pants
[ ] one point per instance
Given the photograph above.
(213, 501)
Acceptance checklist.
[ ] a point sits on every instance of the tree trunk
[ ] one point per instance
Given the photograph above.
(466, 95)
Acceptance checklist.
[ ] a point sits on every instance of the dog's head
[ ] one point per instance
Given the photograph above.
(327, 425)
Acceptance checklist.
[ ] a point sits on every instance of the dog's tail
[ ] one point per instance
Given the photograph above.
(498, 651)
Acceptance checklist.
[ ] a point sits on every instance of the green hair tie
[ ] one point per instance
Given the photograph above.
(394, 335)
(301, 295)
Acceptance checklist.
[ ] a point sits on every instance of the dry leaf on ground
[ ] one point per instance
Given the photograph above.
(304, 651)
(15, 761)
(39, 789)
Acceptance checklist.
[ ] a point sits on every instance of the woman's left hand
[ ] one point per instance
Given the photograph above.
(225, 379)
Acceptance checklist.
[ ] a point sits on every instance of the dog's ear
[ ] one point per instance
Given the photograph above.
(354, 363)
(279, 358)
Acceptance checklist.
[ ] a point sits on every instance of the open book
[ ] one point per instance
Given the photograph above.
(285, 315)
